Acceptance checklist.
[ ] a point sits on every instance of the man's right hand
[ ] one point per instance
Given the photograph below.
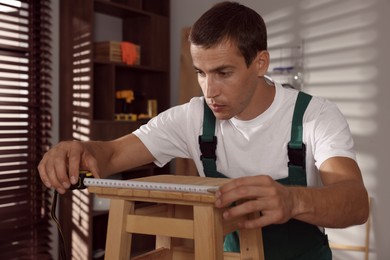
(60, 166)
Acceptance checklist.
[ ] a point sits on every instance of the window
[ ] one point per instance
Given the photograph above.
(25, 124)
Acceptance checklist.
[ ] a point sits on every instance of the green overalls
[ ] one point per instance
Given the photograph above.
(294, 239)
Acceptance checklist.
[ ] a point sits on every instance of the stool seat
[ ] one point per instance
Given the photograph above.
(174, 214)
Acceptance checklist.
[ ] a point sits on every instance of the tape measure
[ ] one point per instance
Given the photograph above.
(80, 182)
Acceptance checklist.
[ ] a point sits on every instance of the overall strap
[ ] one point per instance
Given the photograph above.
(296, 148)
(208, 144)
(299, 240)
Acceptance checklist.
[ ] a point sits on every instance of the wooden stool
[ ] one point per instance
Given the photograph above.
(174, 214)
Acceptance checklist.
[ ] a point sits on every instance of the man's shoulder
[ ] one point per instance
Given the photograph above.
(321, 104)
(317, 105)
(188, 112)
(196, 102)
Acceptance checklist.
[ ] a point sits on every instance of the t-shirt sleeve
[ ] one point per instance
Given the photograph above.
(166, 136)
(332, 135)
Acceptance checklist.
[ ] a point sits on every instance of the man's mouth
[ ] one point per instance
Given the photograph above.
(216, 107)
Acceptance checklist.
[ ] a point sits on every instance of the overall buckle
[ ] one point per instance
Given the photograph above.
(207, 148)
(297, 156)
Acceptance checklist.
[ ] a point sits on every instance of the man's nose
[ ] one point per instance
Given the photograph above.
(210, 89)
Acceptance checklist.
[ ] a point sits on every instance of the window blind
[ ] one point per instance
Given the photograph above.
(25, 124)
(76, 38)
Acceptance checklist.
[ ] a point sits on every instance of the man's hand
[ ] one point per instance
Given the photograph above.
(59, 167)
(342, 201)
(260, 194)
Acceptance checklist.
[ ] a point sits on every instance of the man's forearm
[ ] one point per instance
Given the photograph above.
(103, 153)
(124, 153)
(335, 206)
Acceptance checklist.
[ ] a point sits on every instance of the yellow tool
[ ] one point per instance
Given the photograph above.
(127, 94)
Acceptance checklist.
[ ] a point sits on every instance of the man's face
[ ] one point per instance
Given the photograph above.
(227, 83)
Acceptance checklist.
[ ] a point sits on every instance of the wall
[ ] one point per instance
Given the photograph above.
(345, 58)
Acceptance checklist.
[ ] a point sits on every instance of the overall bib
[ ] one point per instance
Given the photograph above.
(294, 239)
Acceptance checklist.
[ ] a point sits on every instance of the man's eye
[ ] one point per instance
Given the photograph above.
(200, 73)
(224, 74)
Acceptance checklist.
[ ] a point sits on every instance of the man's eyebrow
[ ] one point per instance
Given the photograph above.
(219, 68)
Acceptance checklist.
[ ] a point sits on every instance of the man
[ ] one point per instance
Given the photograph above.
(296, 194)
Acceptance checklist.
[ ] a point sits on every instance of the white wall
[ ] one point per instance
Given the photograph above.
(346, 58)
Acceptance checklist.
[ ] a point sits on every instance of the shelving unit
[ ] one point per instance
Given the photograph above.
(287, 65)
(87, 96)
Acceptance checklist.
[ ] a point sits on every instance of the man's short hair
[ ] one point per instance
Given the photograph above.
(231, 21)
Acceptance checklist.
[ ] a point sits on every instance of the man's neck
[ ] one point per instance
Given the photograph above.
(261, 100)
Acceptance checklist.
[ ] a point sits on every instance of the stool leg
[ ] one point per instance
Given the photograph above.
(118, 242)
(164, 241)
(208, 233)
(251, 242)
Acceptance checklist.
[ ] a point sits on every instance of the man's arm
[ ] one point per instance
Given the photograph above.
(342, 202)
(60, 166)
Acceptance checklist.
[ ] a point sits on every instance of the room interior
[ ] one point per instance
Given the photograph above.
(339, 50)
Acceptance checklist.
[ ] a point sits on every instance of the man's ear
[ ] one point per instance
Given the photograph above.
(262, 62)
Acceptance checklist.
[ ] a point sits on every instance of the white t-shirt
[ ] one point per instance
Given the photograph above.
(253, 147)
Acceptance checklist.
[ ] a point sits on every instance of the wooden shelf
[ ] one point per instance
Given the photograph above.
(118, 10)
(131, 67)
